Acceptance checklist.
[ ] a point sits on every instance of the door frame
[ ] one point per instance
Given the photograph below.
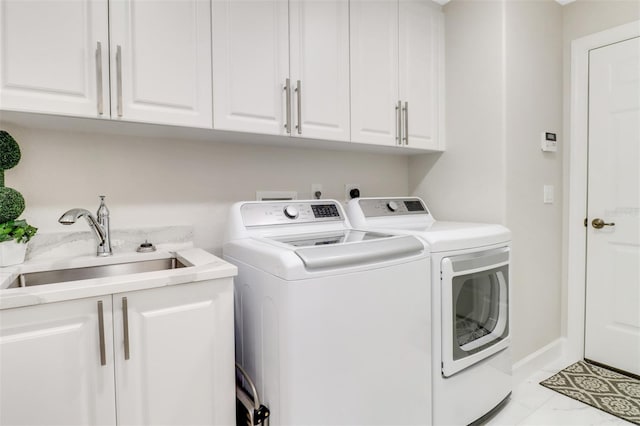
(577, 151)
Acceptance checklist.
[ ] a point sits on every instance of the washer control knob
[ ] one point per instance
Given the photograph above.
(291, 212)
(392, 205)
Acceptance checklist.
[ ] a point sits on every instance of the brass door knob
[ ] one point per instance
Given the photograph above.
(599, 223)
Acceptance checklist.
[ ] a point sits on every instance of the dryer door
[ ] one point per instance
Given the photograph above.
(475, 308)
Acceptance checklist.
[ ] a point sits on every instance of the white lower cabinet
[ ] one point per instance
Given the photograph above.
(179, 368)
(50, 364)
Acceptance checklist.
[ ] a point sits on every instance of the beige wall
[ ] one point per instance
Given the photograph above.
(467, 181)
(504, 87)
(580, 19)
(159, 182)
(534, 105)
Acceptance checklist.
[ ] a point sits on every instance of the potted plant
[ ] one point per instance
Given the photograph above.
(14, 234)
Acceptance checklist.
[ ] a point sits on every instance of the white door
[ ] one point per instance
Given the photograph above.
(612, 322)
(180, 368)
(161, 61)
(250, 65)
(55, 57)
(421, 38)
(319, 38)
(375, 118)
(51, 369)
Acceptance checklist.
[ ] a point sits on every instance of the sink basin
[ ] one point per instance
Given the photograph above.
(76, 274)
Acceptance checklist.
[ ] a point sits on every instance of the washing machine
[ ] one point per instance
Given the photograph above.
(470, 291)
(332, 323)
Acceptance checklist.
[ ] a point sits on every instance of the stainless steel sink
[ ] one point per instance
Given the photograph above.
(76, 274)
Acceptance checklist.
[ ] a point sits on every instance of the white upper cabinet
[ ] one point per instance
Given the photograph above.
(161, 61)
(421, 80)
(319, 45)
(57, 57)
(250, 65)
(374, 72)
(257, 89)
(395, 73)
(51, 53)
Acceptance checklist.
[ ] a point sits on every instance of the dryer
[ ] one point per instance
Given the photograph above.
(332, 323)
(471, 362)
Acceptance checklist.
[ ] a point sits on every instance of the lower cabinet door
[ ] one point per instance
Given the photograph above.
(56, 365)
(174, 355)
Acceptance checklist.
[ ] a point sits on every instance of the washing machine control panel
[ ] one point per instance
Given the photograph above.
(282, 213)
(372, 207)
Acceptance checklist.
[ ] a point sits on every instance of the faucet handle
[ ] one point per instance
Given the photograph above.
(103, 211)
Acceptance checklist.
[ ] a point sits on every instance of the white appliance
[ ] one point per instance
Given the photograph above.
(332, 323)
(470, 304)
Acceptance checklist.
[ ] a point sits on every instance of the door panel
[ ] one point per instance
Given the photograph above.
(251, 63)
(320, 61)
(374, 71)
(165, 61)
(613, 251)
(50, 367)
(420, 42)
(180, 369)
(49, 56)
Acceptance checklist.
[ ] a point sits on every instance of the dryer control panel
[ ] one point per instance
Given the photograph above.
(288, 212)
(372, 207)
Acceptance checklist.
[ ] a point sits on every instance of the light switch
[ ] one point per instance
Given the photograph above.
(548, 194)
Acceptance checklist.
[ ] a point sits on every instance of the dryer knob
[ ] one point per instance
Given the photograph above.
(392, 205)
(291, 212)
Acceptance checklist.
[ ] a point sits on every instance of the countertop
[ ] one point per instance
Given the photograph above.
(200, 266)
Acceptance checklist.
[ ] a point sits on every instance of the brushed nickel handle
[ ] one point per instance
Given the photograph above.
(398, 123)
(599, 223)
(299, 93)
(119, 79)
(287, 91)
(99, 78)
(406, 123)
(103, 351)
(125, 326)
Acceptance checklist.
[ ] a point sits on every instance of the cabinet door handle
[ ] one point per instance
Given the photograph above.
(299, 93)
(99, 78)
(119, 79)
(287, 91)
(103, 352)
(398, 123)
(125, 326)
(406, 123)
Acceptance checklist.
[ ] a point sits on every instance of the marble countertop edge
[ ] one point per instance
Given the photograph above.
(201, 266)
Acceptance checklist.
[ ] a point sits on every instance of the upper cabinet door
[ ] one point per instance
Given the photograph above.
(251, 66)
(161, 61)
(374, 72)
(421, 91)
(319, 37)
(54, 57)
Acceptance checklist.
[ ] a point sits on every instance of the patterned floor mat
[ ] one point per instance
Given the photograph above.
(603, 389)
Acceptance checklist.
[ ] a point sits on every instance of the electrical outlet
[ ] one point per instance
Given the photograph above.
(352, 190)
(316, 191)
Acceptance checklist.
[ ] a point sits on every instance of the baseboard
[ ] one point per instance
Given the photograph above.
(537, 360)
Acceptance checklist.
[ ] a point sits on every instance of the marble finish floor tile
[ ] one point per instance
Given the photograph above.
(532, 404)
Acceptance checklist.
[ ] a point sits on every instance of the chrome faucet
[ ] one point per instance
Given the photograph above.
(100, 225)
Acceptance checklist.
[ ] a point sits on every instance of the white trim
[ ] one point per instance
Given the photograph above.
(539, 359)
(578, 178)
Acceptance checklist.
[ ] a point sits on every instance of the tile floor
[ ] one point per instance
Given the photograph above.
(533, 404)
